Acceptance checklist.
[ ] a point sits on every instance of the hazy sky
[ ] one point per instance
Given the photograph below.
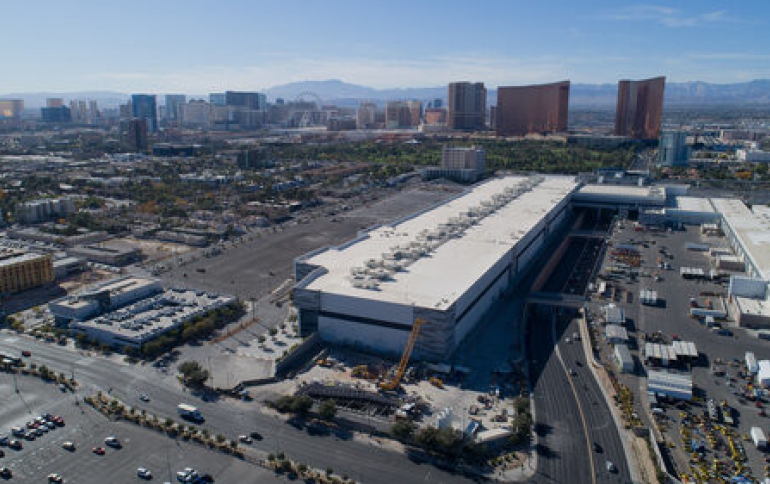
(195, 46)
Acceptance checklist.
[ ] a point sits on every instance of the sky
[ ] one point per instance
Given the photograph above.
(195, 46)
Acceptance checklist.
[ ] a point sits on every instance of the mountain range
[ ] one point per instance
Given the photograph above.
(335, 91)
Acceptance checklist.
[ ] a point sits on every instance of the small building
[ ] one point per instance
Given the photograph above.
(694, 246)
(614, 315)
(493, 436)
(615, 334)
(623, 358)
(648, 297)
(685, 350)
(672, 385)
(67, 266)
(730, 263)
(763, 372)
(751, 363)
(109, 253)
(657, 354)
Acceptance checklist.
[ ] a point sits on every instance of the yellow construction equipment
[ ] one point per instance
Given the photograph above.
(392, 384)
(436, 382)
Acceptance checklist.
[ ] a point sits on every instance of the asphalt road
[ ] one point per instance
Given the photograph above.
(564, 410)
(359, 459)
(601, 426)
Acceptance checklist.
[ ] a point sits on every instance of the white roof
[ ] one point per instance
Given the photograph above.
(751, 228)
(694, 204)
(685, 348)
(616, 331)
(623, 192)
(449, 265)
(664, 382)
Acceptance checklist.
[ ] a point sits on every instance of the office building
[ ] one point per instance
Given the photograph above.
(435, 116)
(639, 109)
(54, 102)
(249, 100)
(174, 103)
(78, 111)
(61, 114)
(196, 113)
(130, 311)
(463, 165)
(467, 105)
(217, 99)
(415, 112)
(20, 270)
(93, 111)
(445, 266)
(673, 149)
(133, 134)
(11, 108)
(538, 109)
(398, 114)
(365, 115)
(144, 106)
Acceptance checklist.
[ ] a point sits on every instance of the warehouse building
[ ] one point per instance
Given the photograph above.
(21, 270)
(747, 229)
(445, 265)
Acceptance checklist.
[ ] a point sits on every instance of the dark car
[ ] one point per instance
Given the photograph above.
(597, 447)
(255, 435)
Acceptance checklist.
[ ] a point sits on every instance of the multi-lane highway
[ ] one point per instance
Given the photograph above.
(570, 411)
(362, 460)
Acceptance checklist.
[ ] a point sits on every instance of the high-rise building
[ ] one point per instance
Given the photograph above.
(11, 108)
(398, 115)
(145, 106)
(673, 149)
(467, 104)
(250, 100)
(61, 114)
(435, 116)
(196, 113)
(93, 111)
(639, 109)
(54, 102)
(174, 103)
(133, 133)
(217, 99)
(523, 110)
(78, 110)
(415, 112)
(365, 115)
(21, 270)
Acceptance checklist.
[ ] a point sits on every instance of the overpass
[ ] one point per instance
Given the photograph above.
(557, 299)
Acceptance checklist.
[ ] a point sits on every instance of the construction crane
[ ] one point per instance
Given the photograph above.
(392, 384)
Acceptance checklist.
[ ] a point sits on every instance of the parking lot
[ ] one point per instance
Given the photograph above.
(87, 429)
(726, 449)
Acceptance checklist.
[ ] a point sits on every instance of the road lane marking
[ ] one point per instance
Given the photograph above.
(577, 400)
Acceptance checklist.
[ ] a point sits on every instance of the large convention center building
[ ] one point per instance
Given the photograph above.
(446, 266)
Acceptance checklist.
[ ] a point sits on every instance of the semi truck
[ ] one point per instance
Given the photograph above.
(189, 412)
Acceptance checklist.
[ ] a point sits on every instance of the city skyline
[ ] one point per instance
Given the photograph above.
(194, 47)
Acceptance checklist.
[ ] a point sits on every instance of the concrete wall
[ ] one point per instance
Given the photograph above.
(365, 336)
(368, 308)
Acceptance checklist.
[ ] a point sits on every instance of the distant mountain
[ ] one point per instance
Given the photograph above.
(599, 95)
(335, 91)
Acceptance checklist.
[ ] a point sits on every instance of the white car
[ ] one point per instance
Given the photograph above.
(611, 467)
(144, 473)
